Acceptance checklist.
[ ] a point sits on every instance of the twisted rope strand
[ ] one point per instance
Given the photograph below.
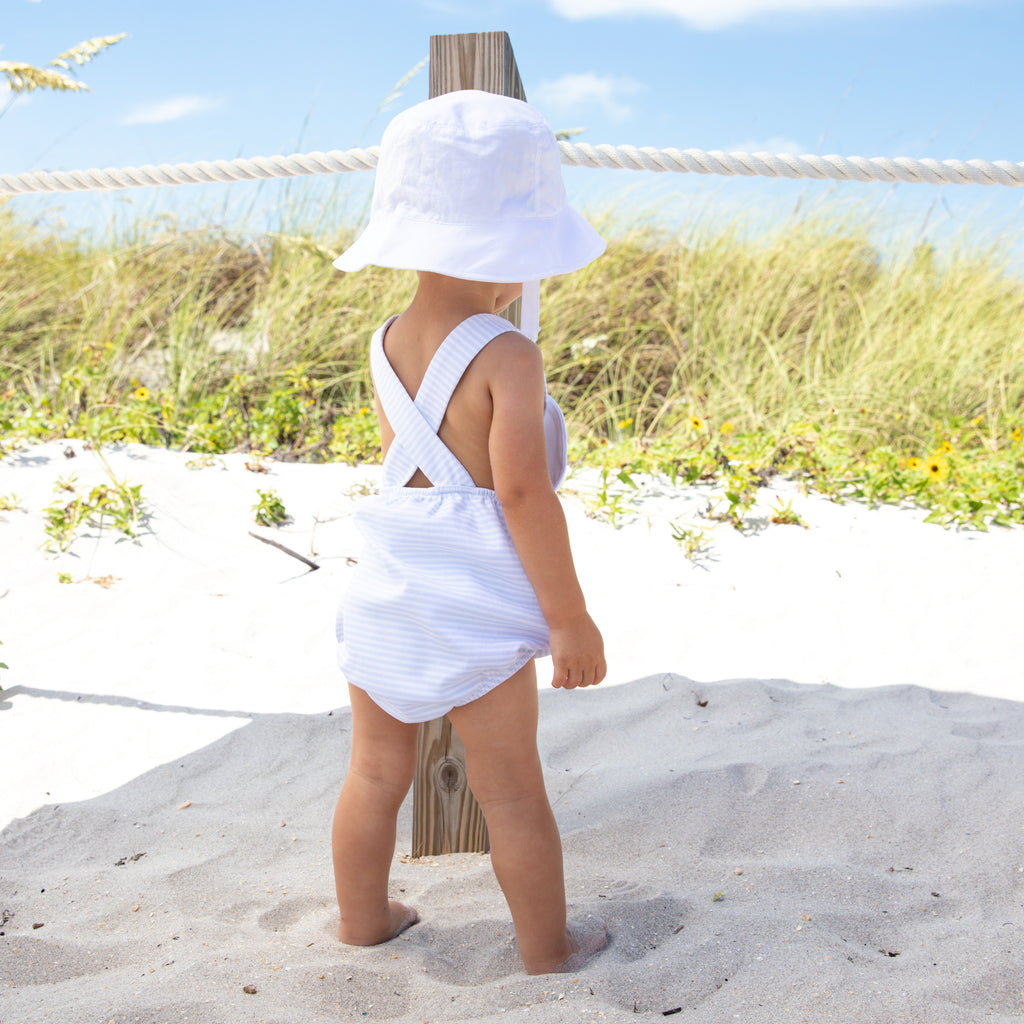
(786, 165)
(633, 158)
(251, 169)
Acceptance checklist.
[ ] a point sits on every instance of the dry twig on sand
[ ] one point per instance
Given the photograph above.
(288, 551)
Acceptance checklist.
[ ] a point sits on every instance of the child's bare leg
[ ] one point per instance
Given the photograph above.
(381, 768)
(500, 734)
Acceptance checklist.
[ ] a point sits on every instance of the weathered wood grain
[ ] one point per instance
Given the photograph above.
(446, 817)
(480, 60)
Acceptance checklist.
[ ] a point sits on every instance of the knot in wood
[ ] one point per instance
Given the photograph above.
(449, 775)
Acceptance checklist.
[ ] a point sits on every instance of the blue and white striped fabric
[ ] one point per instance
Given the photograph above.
(440, 609)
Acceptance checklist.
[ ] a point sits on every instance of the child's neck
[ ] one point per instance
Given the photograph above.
(447, 298)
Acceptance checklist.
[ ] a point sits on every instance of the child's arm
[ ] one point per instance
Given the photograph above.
(533, 513)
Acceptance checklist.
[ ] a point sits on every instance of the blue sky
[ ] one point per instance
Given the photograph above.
(916, 78)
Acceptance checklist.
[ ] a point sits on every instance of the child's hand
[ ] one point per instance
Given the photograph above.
(577, 651)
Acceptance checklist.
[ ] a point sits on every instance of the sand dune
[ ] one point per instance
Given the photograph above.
(822, 728)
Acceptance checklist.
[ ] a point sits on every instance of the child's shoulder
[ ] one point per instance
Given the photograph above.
(511, 350)
(502, 331)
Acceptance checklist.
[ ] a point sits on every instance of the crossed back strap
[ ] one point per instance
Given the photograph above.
(416, 422)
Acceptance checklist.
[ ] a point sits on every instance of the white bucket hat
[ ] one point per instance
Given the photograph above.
(469, 184)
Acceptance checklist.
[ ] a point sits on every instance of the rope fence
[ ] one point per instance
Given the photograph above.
(632, 158)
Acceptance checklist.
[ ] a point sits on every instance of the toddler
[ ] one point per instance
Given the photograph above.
(466, 575)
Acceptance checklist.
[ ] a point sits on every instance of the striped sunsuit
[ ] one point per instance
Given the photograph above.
(440, 609)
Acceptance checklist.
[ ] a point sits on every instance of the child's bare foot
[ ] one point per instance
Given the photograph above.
(584, 940)
(400, 917)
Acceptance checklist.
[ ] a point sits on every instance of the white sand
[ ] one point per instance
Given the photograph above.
(852, 785)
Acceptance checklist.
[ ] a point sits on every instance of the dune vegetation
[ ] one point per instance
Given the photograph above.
(704, 355)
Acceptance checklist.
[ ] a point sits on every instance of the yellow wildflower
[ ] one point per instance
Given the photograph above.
(913, 462)
(727, 427)
(696, 422)
(142, 393)
(946, 447)
(936, 468)
(364, 411)
(976, 422)
(628, 422)
(1017, 434)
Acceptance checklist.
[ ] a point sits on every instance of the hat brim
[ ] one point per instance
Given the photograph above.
(519, 250)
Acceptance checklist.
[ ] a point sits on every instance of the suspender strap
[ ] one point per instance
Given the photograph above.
(416, 444)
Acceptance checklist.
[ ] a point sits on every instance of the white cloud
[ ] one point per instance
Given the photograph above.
(173, 109)
(574, 93)
(712, 14)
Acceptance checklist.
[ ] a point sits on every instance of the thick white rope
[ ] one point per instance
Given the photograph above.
(252, 169)
(786, 165)
(687, 161)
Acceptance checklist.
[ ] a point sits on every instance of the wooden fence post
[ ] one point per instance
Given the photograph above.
(446, 817)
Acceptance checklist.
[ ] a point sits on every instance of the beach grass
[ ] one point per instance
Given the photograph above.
(712, 354)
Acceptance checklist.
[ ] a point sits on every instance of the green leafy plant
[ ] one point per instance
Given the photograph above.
(692, 539)
(9, 502)
(355, 437)
(269, 510)
(740, 493)
(611, 502)
(785, 514)
(116, 504)
(205, 462)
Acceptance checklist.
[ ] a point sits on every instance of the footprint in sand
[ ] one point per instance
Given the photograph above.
(622, 890)
(748, 778)
(301, 915)
(638, 926)
(469, 954)
(32, 961)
